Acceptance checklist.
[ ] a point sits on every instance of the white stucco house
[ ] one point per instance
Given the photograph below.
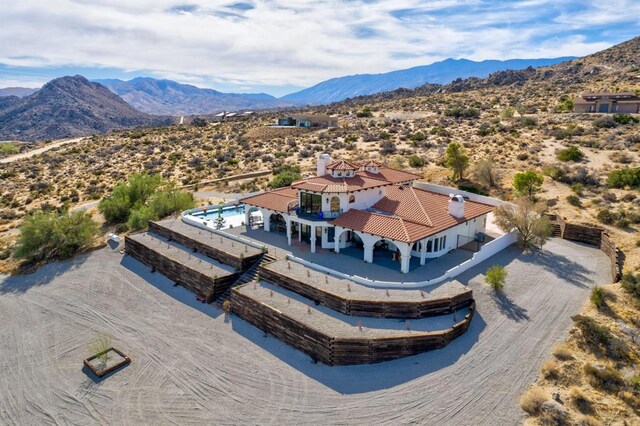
(371, 207)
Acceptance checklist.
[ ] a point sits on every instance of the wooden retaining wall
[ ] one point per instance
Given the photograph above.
(241, 263)
(208, 287)
(341, 351)
(594, 236)
(369, 308)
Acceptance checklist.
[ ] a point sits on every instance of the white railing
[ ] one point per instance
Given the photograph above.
(485, 252)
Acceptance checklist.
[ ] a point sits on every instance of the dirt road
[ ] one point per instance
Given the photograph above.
(191, 366)
(37, 151)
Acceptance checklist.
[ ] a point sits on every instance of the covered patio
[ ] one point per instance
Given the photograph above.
(351, 262)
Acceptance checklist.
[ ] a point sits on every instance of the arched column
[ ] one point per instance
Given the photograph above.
(266, 219)
(423, 252)
(313, 238)
(405, 256)
(336, 240)
(288, 221)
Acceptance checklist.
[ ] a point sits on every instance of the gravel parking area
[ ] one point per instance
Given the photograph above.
(191, 365)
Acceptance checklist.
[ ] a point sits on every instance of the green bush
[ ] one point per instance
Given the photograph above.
(606, 216)
(565, 104)
(462, 112)
(149, 196)
(8, 148)
(622, 178)
(496, 276)
(571, 154)
(473, 189)
(46, 236)
(418, 137)
(285, 175)
(597, 297)
(416, 161)
(364, 113)
(528, 183)
(625, 119)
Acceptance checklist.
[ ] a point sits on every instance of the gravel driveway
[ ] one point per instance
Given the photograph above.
(192, 366)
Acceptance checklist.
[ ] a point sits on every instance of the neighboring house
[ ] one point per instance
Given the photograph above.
(618, 103)
(323, 121)
(370, 207)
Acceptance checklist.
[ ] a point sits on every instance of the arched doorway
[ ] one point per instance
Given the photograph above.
(277, 223)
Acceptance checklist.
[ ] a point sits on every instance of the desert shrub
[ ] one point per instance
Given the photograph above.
(416, 161)
(8, 148)
(592, 332)
(528, 122)
(164, 203)
(580, 400)
(459, 112)
(589, 421)
(604, 123)
(578, 188)
(631, 284)
(139, 218)
(285, 175)
(417, 137)
(199, 122)
(550, 369)
(507, 113)
(485, 173)
(574, 200)
(572, 153)
(496, 275)
(565, 104)
(47, 236)
(472, 188)
(606, 216)
(528, 218)
(563, 352)
(625, 119)
(532, 400)
(364, 113)
(605, 378)
(627, 177)
(635, 383)
(553, 413)
(597, 297)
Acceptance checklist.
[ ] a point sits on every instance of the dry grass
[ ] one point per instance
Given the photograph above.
(533, 399)
(563, 352)
(596, 384)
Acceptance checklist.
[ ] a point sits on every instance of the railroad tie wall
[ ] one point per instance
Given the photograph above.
(333, 350)
(594, 236)
(370, 308)
(241, 263)
(208, 287)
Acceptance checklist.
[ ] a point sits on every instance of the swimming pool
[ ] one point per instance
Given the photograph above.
(227, 212)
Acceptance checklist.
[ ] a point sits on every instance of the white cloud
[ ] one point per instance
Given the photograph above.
(252, 43)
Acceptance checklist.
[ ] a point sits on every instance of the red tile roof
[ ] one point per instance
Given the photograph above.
(328, 183)
(342, 165)
(390, 175)
(279, 199)
(408, 214)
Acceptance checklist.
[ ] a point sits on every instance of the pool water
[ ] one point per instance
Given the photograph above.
(227, 212)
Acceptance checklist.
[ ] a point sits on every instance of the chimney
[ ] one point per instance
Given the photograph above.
(456, 206)
(323, 162)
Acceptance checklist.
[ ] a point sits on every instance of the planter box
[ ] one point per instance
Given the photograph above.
(115, 360)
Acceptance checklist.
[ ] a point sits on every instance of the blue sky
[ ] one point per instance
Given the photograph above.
(278, 46)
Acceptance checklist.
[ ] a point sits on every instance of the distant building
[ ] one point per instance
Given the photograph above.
(322, 121)
(617, 103)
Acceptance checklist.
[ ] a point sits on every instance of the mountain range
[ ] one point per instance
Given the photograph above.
(68, 106)
(166, 97)
(341, 88)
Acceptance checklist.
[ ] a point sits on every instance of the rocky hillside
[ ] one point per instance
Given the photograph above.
(166, 97)
(65, 107)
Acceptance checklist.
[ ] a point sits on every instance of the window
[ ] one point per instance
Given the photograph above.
(352, 198)
(335, 204)
(429, 246)
(444, 242)
(310, 203)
